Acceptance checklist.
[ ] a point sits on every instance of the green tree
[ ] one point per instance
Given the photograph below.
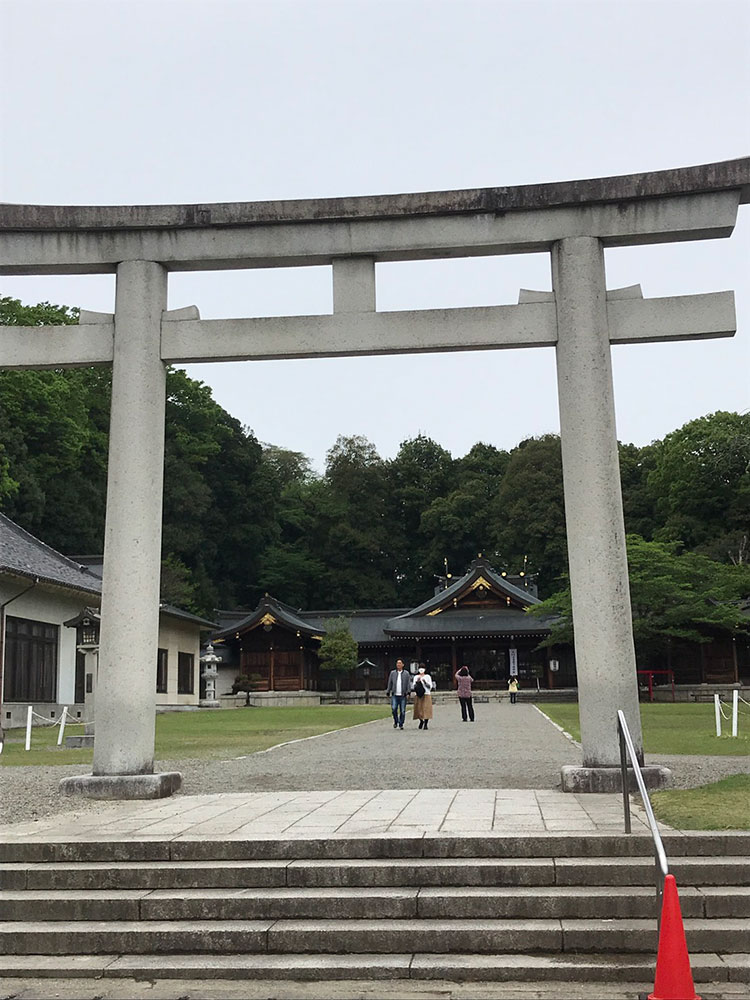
(529, 512)
(638, 500)
(286, 466)
(701, 481)
(352, 527)
(53, 428)
(219, 505)
(420, 473)
(675, 595)
(338, 651)
(245, 684)
(462, 523)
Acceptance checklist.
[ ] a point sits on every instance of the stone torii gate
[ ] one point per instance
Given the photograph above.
(572, 221)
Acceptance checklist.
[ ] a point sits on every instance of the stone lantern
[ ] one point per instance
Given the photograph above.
(209, 672)
(87, 625)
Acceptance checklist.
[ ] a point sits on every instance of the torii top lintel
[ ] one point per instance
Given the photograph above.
(661, 206)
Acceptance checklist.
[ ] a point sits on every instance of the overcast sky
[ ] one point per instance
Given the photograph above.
(170, 101)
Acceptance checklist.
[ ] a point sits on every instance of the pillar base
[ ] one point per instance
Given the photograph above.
(609, 779)
(122, 786)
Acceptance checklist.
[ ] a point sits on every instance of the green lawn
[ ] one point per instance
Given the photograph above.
(209, 733)
(671, 728)
(724, 805)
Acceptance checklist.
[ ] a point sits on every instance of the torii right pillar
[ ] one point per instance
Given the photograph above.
(597, 558)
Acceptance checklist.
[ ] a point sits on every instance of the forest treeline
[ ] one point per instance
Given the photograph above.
(241, 517)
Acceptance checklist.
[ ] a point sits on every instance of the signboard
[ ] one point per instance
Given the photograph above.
(513, 661)
(554, 666)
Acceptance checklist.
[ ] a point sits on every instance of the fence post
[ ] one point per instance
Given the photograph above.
(717, 711)
(28, 727)
(63, 717)
(735, 710)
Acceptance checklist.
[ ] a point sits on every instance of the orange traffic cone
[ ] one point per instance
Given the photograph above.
(674, 979)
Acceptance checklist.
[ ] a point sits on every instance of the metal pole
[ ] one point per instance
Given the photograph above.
(624, 773)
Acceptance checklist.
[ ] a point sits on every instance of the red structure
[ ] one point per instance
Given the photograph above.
(650, 674)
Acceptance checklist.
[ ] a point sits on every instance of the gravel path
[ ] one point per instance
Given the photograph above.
(508, 747)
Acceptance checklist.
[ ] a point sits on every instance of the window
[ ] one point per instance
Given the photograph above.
(162, 660)
(30, 660)
(185, 673)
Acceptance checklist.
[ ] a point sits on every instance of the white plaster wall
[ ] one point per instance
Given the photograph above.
(178, 637)
(225, 680)
(53, 607)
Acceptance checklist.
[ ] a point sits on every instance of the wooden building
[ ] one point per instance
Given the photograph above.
(479, 619)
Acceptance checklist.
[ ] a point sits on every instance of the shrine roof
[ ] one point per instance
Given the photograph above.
(470, 621)
(479, 571)
(269, 611)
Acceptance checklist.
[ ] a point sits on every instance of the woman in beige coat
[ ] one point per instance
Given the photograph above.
(423, 705)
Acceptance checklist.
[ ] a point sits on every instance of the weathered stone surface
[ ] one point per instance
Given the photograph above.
(548, 903)
(723, 901)
(250, 967)
(122, 786)
(738, 967)
(609, 779)
(722, 176)
(564, 969)
(87, 937)
(92, 904)
(155, 875)
(54, 966)
(333, 936)
(438, 871)
(287, 903)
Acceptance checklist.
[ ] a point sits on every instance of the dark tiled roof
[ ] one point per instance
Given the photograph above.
(282, 613)
(24, 555)
(479, 568)
(464, 621)
(186, 616)
(367, 627)
(21, 554)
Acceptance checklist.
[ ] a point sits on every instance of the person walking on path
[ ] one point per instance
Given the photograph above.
(399, 685)
(464, 680)
(423, 701)
(513, 688)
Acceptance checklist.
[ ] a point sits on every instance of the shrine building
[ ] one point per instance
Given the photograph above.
(480, 619)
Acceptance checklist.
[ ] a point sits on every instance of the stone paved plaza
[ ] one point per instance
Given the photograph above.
(265, 815)
(496, 776)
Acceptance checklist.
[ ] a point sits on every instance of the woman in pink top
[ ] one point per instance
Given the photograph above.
(464, 681)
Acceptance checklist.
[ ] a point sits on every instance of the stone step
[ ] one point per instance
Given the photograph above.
(640, 871)
(371, 872)
(454, 903)
(396, 872)
(381, 846)
(499, 967)
(723, 935)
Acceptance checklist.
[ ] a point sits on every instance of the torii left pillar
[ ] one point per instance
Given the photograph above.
(125, 711)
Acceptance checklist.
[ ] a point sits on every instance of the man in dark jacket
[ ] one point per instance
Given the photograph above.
(399, 686)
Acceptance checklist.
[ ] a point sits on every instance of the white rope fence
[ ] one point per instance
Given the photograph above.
(720, 713)
(48, 723)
